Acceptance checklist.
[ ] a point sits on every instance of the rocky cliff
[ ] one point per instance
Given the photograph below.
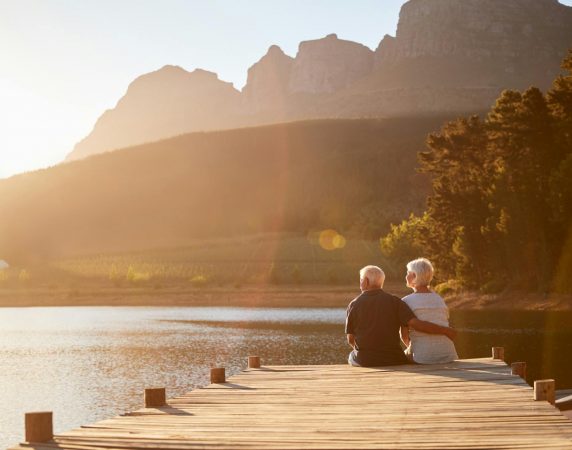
(164, 103)
(447, 56)
(510, 41)
(280, 87)
(328, 65)
(267, 83)
(458, 55)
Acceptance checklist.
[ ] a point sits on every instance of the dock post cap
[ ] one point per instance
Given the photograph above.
(155, 397)
(498, 353)
(519, 368)
(218, 375)
(254, 362)
(545, 390)
(39, 426)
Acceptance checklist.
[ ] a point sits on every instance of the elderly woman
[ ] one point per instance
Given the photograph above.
(425, 348)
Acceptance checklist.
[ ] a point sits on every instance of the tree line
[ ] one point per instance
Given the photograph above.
(499, 215)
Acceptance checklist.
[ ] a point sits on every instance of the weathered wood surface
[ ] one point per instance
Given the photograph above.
(473, 404)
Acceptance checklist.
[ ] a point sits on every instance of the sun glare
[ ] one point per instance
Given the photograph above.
(34, 130)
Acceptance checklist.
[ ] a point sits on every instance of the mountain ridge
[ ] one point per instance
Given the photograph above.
(447, 55)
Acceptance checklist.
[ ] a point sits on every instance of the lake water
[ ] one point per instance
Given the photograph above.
(87, 364)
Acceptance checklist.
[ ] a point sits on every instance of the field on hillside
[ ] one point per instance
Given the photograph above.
(266, 259)
(269, 270)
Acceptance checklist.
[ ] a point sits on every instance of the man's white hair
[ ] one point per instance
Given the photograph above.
(374, 274)
(423, 270)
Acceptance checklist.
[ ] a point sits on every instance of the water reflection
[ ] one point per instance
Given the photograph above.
(87, 364)
(541, 338)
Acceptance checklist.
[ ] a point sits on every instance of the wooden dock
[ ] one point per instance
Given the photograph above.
(468, 404)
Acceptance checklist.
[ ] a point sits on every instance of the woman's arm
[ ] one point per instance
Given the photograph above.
(404, 333)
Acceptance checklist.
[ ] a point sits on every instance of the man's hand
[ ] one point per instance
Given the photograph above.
(432, 328)
(451, 333)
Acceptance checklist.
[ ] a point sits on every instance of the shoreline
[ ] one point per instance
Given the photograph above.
(281, 296)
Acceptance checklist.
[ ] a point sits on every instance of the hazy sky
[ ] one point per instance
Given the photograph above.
(63, 62)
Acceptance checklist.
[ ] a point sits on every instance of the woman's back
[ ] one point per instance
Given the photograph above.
(430, 348)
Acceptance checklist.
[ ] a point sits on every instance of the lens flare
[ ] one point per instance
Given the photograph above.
(331, 240)
(340, 241)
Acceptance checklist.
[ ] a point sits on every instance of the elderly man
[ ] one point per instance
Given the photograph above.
(373, 321)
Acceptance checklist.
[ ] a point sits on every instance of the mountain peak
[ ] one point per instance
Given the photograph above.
(169, 68)
(275, 50)
(267, 82)
(329, 64)
(206, 74)
(162, 104)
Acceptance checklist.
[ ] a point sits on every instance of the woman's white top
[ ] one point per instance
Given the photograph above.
(430, 348)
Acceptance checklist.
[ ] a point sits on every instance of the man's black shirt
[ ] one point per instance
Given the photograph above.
(374, 318)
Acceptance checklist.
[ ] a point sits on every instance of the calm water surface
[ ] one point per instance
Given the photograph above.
(86, 364)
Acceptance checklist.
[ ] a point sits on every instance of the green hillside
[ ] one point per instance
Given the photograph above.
(353, 176)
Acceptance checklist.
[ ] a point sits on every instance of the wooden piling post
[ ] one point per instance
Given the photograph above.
(519, 368)
(545, 390)
(254, 362)
(218, 375)
(155, 397)
(39, 426)
(498, 353)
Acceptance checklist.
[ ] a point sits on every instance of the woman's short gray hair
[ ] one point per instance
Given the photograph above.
(423, 270)
(374, 274)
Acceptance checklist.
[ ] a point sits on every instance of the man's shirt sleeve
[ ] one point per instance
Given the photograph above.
(350, 319)
(404, 312)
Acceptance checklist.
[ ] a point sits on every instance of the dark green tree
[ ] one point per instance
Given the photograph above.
(501, 193)
(458, 165)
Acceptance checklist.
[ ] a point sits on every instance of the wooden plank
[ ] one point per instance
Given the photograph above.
(473, 403)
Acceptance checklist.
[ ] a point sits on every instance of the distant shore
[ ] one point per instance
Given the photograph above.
(279, 296)
(517, 301)
(273, 296)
